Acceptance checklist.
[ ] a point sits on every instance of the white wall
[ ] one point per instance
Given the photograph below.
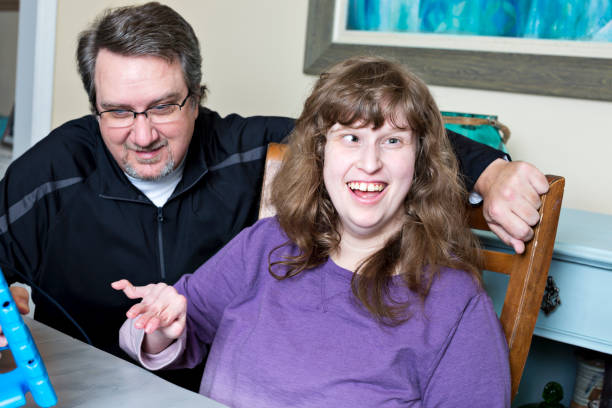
(253, 57)
(8, 59)
(34, 79)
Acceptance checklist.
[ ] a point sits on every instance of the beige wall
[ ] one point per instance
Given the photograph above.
(8, 59)
(253, 56)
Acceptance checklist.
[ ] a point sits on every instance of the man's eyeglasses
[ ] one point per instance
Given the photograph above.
(158, 114)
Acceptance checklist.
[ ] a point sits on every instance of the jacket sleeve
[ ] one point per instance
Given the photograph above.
(34, 191)
(473, 157)
(27, 206)
(15, 257)
(264, 129)
(277, 129)
(473, 368)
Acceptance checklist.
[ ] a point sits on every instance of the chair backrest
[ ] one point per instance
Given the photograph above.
(527, 272)
(527, 275)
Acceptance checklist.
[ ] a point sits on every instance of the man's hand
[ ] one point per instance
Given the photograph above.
(162, 313)
(22, 299)
(511, 193)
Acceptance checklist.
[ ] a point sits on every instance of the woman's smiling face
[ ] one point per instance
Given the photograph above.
(368, 173)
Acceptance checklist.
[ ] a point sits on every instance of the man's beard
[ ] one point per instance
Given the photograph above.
(167, 169)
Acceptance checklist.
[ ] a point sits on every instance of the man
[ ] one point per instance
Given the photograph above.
(152, 184)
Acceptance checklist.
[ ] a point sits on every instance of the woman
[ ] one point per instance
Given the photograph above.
(364, 290)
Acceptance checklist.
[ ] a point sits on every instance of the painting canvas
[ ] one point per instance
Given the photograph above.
(548, 47)
(575, 20)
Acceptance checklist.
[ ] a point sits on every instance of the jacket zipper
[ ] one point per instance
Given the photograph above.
(160, 221)
(160, 243)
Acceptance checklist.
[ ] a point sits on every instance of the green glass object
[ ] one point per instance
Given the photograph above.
(488, 132)
(552, 395)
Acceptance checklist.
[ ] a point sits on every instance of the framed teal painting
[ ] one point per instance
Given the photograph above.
(547, 47)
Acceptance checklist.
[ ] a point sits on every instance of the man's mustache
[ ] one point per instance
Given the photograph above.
(152, 147)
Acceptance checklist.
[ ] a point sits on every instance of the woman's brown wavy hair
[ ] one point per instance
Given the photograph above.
(368, 91)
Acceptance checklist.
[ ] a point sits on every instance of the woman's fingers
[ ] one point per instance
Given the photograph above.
(131, 291)
(161, 307)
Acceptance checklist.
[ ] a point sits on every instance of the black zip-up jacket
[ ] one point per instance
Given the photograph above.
(72, 223)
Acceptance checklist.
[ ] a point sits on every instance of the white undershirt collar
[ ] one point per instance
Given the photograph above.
(159, 191)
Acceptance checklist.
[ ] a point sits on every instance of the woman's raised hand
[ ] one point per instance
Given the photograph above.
(161, 312)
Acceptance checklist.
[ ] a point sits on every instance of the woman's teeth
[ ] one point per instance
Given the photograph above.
(361, 186)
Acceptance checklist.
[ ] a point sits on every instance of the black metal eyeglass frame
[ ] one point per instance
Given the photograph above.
(144, 112)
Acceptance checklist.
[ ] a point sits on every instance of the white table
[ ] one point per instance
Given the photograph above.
(84, 376)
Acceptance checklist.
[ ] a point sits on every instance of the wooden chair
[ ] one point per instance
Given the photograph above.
(527, 272)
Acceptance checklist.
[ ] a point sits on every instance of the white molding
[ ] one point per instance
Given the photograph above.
(34, 82)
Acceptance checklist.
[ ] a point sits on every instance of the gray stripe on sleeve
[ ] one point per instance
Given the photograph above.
(21, 207)
(243, 157)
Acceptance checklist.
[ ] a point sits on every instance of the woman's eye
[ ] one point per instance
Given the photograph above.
(350, 138)
(393, 140)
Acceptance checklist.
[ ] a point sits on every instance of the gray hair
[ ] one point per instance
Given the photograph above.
(151, 29)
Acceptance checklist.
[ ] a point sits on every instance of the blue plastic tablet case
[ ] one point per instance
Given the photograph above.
(30, 373)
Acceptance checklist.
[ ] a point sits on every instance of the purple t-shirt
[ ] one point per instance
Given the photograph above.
(306, 342)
